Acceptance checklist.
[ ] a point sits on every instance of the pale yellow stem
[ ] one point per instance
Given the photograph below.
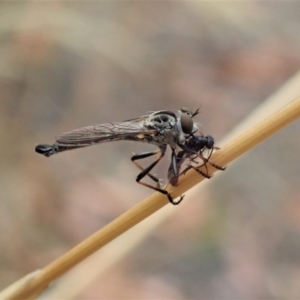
(139, 212)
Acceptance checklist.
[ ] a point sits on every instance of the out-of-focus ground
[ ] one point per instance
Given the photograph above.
(64, 65)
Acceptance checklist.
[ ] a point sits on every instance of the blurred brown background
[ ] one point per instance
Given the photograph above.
(64, 65)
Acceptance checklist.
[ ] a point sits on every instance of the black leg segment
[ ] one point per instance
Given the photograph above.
(146, 172)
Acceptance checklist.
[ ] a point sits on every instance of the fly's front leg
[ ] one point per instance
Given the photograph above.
(206, 160)
(197, 169)
(205, 175)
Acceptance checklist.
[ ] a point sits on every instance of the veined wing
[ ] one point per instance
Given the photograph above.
(133, 130)
(138, 129)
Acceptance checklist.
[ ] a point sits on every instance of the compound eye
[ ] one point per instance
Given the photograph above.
(187, 123)
(186, 110)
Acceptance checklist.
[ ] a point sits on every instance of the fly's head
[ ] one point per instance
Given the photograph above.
(186, 120)
(186, 123)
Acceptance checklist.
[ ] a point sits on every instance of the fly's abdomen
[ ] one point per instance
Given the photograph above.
(49, 150)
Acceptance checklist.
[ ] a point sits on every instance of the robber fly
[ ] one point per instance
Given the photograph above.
(161, 128)
(192, 150)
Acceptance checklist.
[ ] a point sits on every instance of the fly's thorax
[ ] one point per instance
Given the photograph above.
(165, 123)
(161, 120)
(171, 129)
(165, 137)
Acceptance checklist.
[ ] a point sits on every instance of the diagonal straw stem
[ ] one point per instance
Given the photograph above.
(40, 280)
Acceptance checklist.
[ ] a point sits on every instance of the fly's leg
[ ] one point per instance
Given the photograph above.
(197, 170)
(206, 160)
(205, 175)
(146, 172)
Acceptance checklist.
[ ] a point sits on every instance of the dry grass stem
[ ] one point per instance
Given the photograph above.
(142, 210)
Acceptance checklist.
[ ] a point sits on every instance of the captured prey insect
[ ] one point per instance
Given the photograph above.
(160, 128)
(193, 149)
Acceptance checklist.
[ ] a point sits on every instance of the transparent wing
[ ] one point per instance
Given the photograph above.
(134, 130)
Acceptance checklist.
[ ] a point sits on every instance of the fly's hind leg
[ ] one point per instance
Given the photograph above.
(206, 160)
(146, 172)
